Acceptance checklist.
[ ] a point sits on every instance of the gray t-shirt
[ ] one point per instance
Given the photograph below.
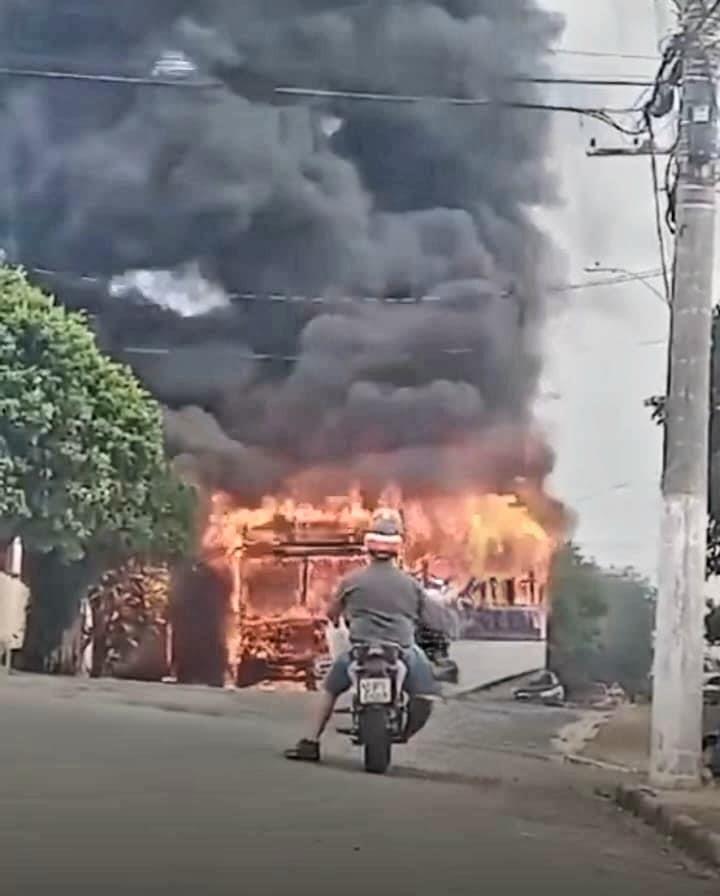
(382, 603)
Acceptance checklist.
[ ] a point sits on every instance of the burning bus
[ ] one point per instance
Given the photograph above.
(253, 608)
(488, 555)
(283, 562)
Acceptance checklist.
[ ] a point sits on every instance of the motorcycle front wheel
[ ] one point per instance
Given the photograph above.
(376, 740)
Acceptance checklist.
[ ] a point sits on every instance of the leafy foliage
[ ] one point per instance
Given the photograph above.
(601, 623)
(578, 607)
(625, 653)
(82, 466)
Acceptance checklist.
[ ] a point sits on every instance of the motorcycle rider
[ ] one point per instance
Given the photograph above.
(380, 603)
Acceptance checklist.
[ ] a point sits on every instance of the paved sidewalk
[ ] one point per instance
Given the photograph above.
(624, 741)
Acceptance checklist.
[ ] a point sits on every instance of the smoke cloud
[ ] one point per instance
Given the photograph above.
(241, 194)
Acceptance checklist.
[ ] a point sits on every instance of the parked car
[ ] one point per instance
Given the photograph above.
(546, 689)
(603, 696)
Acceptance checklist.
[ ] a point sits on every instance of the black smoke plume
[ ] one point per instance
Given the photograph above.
(243, 190)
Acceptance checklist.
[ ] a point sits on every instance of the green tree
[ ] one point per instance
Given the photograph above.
(578, 607)
(625, 643)
(83, 476)
(601, 623)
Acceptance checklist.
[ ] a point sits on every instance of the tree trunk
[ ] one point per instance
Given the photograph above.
(56, 590)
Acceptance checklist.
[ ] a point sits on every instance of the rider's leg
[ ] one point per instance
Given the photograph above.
(336, 683)
(419, 712)
(322, 715)
(422, 688)
(421, 681)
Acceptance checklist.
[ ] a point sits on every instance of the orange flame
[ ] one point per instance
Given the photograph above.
(477, 535)
(458, 538)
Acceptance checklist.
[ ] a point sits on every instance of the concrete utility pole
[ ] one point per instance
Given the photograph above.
(678, 668)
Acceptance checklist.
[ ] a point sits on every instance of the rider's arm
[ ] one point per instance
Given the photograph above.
(433, 614)
(336, 606)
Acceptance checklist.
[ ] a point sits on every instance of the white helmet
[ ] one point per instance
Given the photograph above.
(385, 536)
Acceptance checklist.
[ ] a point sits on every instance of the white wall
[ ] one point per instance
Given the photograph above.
(483, 663)
(14, 597)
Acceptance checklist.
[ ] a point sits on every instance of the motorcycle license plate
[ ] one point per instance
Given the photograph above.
(375, 690)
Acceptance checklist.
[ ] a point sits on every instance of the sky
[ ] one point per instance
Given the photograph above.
(606, 347)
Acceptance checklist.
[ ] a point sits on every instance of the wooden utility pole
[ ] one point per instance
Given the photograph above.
(678, 666)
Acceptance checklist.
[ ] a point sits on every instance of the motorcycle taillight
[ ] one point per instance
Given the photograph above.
(375, 665)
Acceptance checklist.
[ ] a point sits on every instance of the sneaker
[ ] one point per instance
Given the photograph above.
(304, 751)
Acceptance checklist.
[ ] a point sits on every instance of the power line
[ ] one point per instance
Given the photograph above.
(408, 98)
(248, 356)
(620, 278)
(454, 351)
(255, 356)
(599, 54)
(277, 297)
(640, 276)
(423, 299)
(142, 80)
(601, 113)
(658, 105)
(659, 233)
(47, 74)
(583, 81)
(52, 74)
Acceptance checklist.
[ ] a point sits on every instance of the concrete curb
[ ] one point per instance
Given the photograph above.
(687, 833)
(488, 686)
(579, 759)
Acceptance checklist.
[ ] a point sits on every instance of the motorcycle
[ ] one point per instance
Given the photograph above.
(380, 705)
(381, 712)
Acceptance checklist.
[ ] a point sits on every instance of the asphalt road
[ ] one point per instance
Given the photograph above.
(100, 797)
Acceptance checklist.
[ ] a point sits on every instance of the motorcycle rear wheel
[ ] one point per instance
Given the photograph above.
(376, 740)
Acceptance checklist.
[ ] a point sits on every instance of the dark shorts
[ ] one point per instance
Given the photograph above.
(420, 677)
